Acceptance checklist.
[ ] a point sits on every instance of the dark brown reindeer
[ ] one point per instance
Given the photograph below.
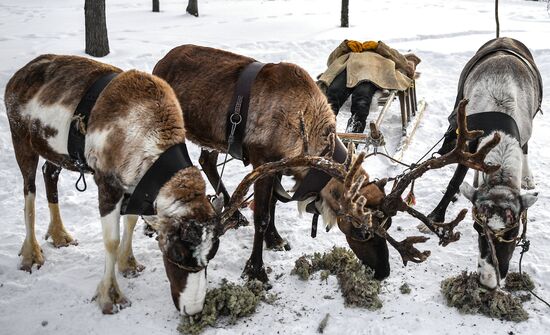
(285, 107)
(135, 122)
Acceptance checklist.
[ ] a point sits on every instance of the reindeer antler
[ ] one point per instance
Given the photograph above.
(354, 203)
(333, 169)
(393, 202)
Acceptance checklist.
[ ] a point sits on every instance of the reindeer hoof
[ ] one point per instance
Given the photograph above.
(436, 217)
(423, 229)
(276, 243)
(148, 230)
(252, 272)
(130, 268)
(62, 239)
(239, 219)
(528, 183)
(31, 254)
(110, 299)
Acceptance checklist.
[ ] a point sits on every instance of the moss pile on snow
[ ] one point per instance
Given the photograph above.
(229, 300)
(519, 282)
(465, 293)
(357, 283)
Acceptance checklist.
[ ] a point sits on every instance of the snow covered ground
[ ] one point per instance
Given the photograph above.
(445, 34)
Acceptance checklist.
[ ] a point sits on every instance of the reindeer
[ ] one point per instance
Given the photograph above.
(290, 120)
(136, 119)
(505, 90)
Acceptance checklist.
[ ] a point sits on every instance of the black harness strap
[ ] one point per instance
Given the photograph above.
(238, 113)
(488, 122)
(77, 132)
(493, 121)
(314, 181)
(141, 201)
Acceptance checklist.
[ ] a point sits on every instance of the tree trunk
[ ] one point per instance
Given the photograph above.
(193, 8)
(344, 18)
(156, 6)
(97, 42)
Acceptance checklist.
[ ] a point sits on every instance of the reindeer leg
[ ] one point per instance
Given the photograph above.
(438, 214)
(60, 237)
(27, 160)
(108, 294)
(527, 180)
(127, 264)
(254, 269)
(273, 240)
(208, 161)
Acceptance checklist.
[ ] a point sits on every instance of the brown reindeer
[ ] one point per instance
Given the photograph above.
(135, 119)
(284, 101)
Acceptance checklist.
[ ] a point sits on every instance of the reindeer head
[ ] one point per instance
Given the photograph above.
(354, 206)
(497, 212)
(186, 223)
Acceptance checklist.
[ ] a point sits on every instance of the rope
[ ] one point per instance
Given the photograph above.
(433, 147)
(524, 248)
(496, 18)
(84, 185)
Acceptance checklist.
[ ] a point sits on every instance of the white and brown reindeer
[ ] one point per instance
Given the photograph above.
(135, 119)
(504, 87)
(290, 117)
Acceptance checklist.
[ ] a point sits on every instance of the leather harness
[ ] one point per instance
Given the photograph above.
(141, 200)
(314, 181)
(238, 114)
(77, 131)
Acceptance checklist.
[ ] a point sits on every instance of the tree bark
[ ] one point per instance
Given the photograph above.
(97, 42)
(193, 8)
(156, 6)
(344, 18)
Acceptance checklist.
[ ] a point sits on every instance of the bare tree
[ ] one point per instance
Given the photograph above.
(193, 8)
(344, 17)
(156, 6)
(97, 42)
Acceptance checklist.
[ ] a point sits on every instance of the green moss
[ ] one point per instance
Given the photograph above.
(302, 268)
(405, 288)
(519, 282)
(229, 300)
(465, 293)
(357, 284)
(324, 275)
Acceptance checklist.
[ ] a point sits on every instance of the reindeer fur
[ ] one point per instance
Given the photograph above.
(135, 119)
(204, 80)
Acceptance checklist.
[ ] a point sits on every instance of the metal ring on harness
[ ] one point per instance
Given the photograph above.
(237, 120)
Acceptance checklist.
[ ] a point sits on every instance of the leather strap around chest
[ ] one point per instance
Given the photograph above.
(77, 131)
(238, 112)
(142, 200)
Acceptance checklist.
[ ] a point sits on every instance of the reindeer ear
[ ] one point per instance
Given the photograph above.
(468, 191)
(528, 199)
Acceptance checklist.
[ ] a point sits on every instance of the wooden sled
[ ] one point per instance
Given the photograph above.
(412, 112)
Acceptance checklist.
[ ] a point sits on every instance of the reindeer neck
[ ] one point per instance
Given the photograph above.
(184, 195)
(508, 155)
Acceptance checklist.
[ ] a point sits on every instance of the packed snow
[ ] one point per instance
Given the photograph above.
(56, 299)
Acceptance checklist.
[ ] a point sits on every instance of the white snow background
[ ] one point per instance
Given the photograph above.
(445, 34)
